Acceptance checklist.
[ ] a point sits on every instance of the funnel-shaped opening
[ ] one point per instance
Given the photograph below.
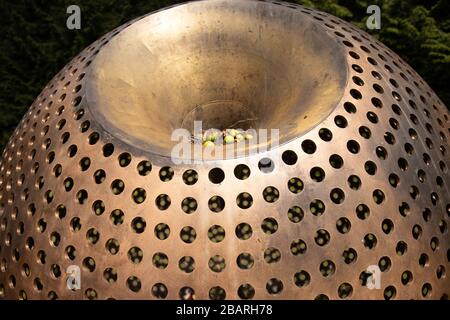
(248, 64)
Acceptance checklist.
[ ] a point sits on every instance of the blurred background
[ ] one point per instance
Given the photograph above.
(35, 42)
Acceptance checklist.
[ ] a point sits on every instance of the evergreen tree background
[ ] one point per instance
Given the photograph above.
(35, 43)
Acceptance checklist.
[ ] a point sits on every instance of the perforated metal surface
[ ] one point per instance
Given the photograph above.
(368, 184)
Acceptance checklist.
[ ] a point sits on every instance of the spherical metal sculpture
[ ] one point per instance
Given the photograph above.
(359, 182)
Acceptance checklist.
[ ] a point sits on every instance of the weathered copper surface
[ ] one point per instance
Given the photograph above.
(87, 178)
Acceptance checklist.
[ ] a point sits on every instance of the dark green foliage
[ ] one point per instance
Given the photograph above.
(417, 30)
(35, 43)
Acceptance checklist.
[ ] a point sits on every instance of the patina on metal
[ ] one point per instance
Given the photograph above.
(359, 182)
